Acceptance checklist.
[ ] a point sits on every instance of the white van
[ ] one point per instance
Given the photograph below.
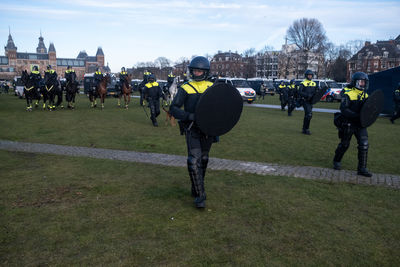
(248, 94)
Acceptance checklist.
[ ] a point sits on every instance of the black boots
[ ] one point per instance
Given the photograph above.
(306, 131)
(362, 163)
(337, 165)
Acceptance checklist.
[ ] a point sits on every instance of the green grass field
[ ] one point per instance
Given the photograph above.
(58, 210)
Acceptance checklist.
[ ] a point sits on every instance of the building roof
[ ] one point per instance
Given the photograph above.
(10, 44)
(391, 48)
(91, 59)
(99, 52)
(52, 48)
(82, 54)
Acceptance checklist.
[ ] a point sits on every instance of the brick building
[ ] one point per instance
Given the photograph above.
(228, 64)
(376, 57)
(13, 63)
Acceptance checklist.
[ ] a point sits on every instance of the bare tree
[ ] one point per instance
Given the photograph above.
(354, 46)
(162, 62)
(249, 52)
(307, 34)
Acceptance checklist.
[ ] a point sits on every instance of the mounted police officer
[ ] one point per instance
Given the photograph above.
(291, 97)
(283, 94)
(152, 93)
(307, 89)
(98, 76)
(348, 122)
(170, 81)
(123, 77)
(36, 78)
(396, 100)
(198, 143)
(70, 76)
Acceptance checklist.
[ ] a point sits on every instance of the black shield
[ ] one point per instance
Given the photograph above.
(317, 96)
(219, 109)
(371, 108)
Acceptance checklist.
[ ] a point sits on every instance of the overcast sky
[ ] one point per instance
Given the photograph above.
(140, 31)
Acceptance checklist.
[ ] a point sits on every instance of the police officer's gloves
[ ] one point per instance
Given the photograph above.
(191, 117)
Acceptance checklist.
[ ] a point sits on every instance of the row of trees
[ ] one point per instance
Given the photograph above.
(306, 45)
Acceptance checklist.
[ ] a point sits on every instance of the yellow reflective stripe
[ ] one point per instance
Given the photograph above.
(354, 94)
(200, 86)
(28, 89)
(47, 88)
(308, 83)
(148, 85)
(35, 72)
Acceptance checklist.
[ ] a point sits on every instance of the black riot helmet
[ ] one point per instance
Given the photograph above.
(35, 68)
(151, 78)
(356, 78)
(49, 67)
(123, 69)
(292, 81)
(308, 72)
(199, 63)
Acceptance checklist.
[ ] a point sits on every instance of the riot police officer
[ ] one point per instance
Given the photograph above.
(198, 143)
(152, 93)
(35, 76)
(396, 99)
(70, 76)
(291, 97)
(98, 76)
(141, 86)
(307, 89)
(283, 94)
(348, 122)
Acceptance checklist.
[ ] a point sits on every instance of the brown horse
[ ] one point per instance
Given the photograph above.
(126, 90)
(101, 91)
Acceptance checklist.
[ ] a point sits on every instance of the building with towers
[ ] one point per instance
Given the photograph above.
(13, 62)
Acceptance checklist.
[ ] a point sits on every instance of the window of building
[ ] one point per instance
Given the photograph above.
(32, 57)
(64, 62)
(385, 54)
(375, 64)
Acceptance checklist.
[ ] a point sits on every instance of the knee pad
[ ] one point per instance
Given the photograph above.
(363, 145)
(191, 162)
(309, 115)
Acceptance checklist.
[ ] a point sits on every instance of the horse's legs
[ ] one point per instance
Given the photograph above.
(102, 100)
(119, 99)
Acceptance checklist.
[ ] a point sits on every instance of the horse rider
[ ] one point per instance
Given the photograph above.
(51, 76)
(198, 143)
(37, 80)
(291, 97)
(170, 81)
(396, 99)
(283, 94)
(152, 93)
(307, 89)
(98, 76)
(348, 122)
(70, 76)
(141, 86)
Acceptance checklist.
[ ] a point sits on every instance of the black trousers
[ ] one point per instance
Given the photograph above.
(345, 135)
(154, 109)
(198, 148)
(291, 105)
(307, 115)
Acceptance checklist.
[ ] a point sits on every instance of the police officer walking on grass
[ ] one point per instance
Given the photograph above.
(152, 93)
(396, 99)
(307, 89)
(283, 94)
(348, 122)
(291, 97)
(198, 143)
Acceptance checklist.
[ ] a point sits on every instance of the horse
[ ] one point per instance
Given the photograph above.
(126, 90)
(49, 91)
(101, 91)
(71, 89)
(169, 95)
(30, 90)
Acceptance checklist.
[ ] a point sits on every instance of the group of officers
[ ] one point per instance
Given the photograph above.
(199, 144)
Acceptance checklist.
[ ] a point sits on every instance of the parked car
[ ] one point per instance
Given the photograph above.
(248, 94)
(332, 90)
(255, 83)
(88, 81)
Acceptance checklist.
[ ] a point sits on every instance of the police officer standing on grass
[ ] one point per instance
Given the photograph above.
(152, 93)
(198, 144)
(141, 86)
(291, 97)
(263, 90)
(283, 94)
(307, 89)
(396, 99)
(348, 122)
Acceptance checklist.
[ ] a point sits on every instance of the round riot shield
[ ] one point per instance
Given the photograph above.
(219, 109)
(317, 96)
(371, 109)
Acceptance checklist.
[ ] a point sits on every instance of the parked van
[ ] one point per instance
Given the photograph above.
(248, 94)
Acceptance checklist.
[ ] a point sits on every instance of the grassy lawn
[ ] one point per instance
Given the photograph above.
(262, 135)
(67, 211)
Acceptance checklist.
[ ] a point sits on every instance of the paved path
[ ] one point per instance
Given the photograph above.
(306, 172)
(324, 110)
